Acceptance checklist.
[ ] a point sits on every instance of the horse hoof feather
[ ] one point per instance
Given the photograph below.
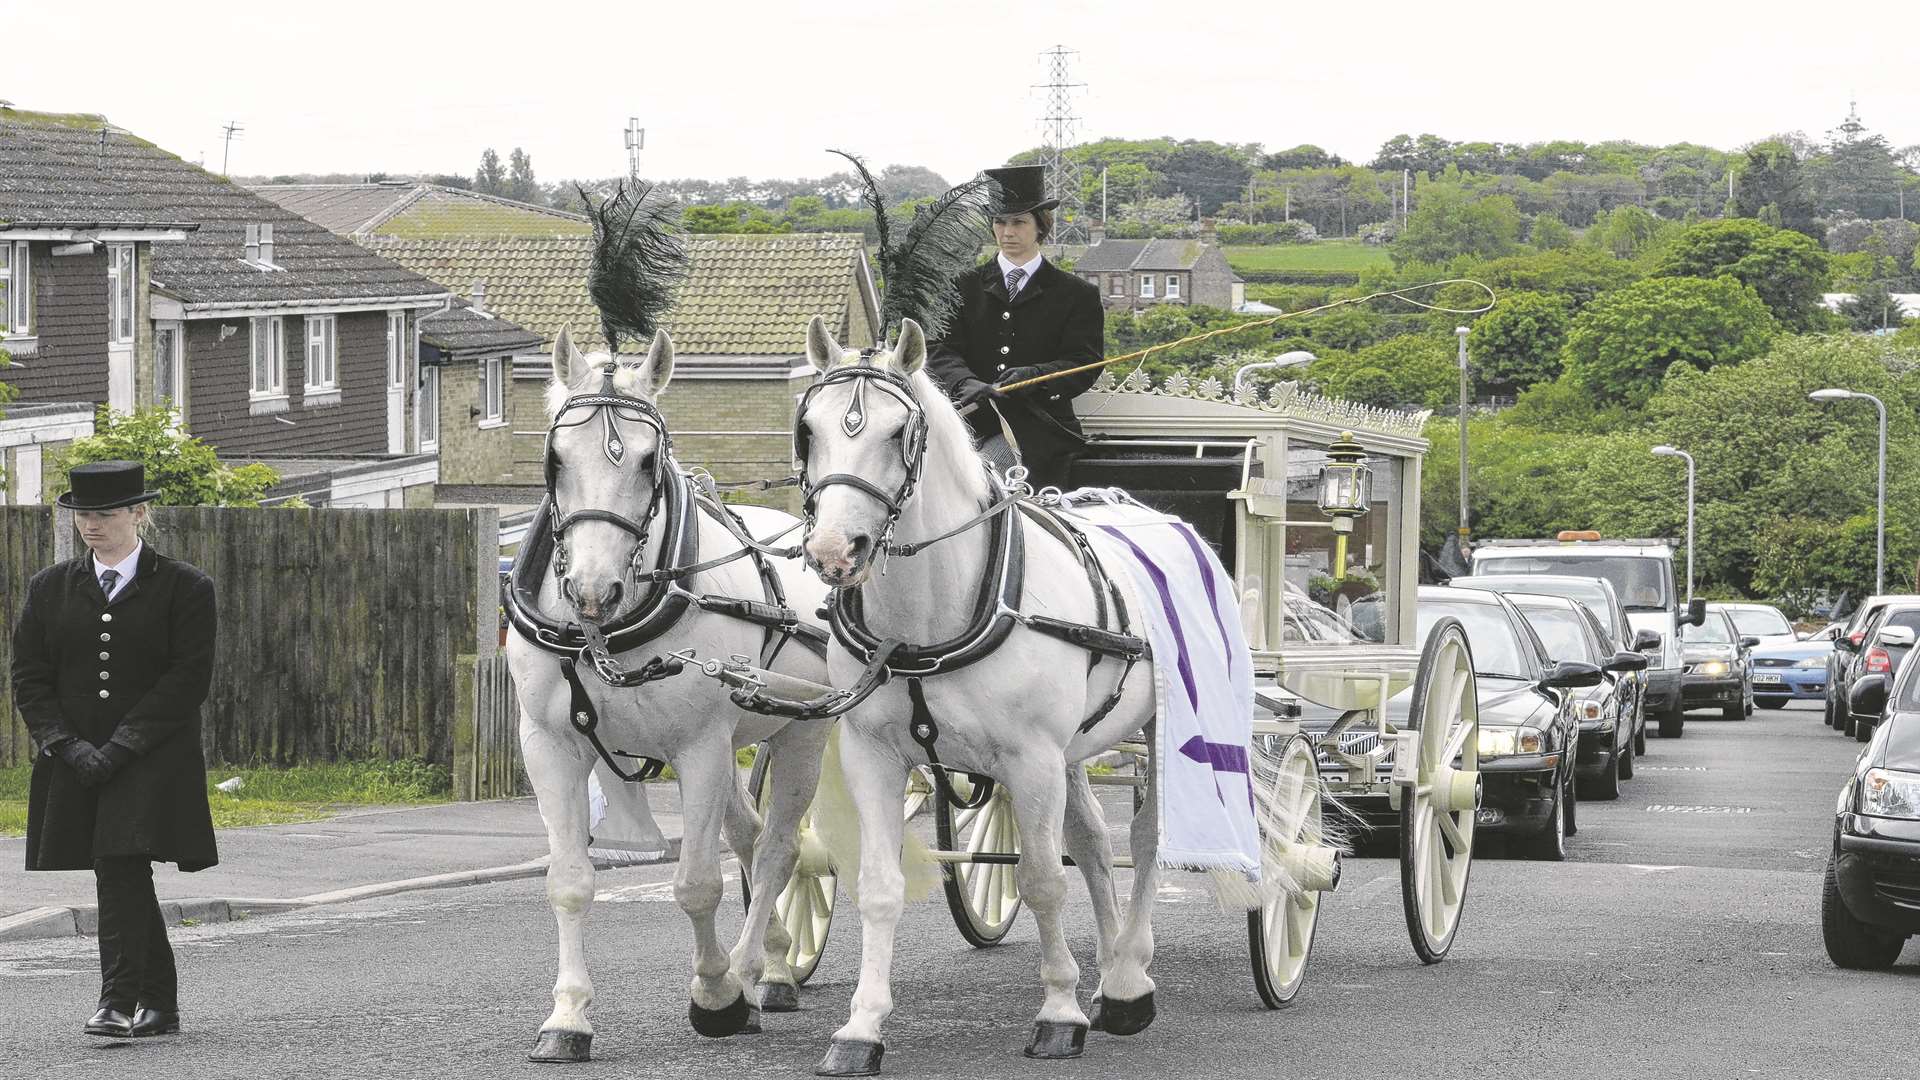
(851, 1057)
(562, 1046)
(722, 1022)
(1116, 1017)
(1053, 1039)
(779, 997)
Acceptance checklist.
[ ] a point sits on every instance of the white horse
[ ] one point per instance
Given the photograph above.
(1014, 715)
(607, 468)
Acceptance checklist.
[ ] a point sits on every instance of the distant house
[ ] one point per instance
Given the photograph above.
(133, 278)
(1136, 274)
(1907, 305)
(403, 208)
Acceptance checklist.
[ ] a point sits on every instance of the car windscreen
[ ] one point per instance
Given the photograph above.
(1760, 622)
(1562, 631)
(1906, 688)
(1590, 595)
(1642, 582)
(1711, 632)
(1496, 648)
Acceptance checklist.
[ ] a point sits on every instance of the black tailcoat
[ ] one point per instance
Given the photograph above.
(1055, 323)
(134, 672)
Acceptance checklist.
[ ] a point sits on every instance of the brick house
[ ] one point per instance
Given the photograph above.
(134, 279)
(1136, 274)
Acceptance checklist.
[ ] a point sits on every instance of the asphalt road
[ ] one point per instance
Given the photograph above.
(1682, 941)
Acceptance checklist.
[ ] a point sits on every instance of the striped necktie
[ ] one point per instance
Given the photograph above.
(108, 579)
(1014, 277)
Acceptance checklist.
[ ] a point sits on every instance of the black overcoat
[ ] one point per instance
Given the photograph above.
(1055, 323)
(134, 672)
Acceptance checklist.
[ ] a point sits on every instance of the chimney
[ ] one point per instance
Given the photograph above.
(1209, 235)
(478, 294)
(1096, 232)
(266, 244)
(253, 243)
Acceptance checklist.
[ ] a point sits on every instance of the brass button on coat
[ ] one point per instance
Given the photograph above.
(1005, 315)
(106, 616)
(105, 656)
(103, 675)
(1005, 349)
(103, 693)
(106, 637)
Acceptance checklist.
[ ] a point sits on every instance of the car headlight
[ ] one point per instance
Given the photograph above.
(1813, 662)
(1507, 741)
(1589, 710)
(1711, 667)
(1885, 793)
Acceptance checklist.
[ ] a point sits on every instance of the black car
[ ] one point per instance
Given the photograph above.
(1853, 633)
(1870, 899)
(1877, 649)
(1604, 711)
(1715, 658)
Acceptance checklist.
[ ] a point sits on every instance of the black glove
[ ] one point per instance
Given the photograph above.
(1019, 374)
(972, 392)
(86, 761)
(115, 757)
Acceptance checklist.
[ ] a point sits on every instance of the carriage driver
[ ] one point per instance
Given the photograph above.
(1021, 317)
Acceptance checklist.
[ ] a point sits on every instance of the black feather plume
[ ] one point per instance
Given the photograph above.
(639, 259)
(917, 271)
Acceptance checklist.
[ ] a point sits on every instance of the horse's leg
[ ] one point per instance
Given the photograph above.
(1038, 783)
(762, 950)
(877, 780)
(558, 766)
(707, 786)
(1086, 841)
(1126, 1005)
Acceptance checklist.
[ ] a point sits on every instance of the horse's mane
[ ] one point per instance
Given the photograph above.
(949, 441)
(626, 380)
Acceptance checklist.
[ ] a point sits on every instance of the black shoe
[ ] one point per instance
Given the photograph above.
(148, 1022)
(109, 1023)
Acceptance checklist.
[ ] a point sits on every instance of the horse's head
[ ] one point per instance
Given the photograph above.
(859, 436)
(607, 459)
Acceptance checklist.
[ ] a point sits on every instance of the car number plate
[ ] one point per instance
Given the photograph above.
(1768, 679)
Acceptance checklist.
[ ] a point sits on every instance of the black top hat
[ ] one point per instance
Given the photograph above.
(1023, 189)
(106, 485)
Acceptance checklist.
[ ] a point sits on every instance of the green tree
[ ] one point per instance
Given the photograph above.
(1789, 271)
(1417, 370)
(1549, 233)
(1771, 179)
(1626, 231)
(184, 470)
(1577, 275)
(1448, 221)
(490, 178)
(520, 183)
(1621, 347)
(1873, 307)
(1518, 343)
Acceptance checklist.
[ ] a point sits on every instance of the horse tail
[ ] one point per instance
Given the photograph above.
(837, 824)
(1291, 851)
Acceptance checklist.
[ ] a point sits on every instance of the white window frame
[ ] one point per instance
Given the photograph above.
(396, 350)
(273, 365)
(323, 354)
(174, 366)
(123, 270)
(1173, 286)
(1146, 286)
(426, 407)
(16, 279)
(493, 392)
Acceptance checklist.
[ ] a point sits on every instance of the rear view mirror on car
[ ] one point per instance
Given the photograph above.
(1749, 642)
(1868, 696)
(1898, 636)
(1696, 613)
(1646, 640)
(1627, 661)
(1568, 674)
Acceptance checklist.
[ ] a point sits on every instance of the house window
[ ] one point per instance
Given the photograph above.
(120, 281)
(169, 375)
(1146, 286)
(396, 349)
(269, 358)
(16, 289)
(323, 361)
(493, 393)
(1173, 286)
(428, 406)
(1117, 284)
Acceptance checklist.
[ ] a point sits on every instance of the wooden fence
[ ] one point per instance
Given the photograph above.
(342, 632)
(486, 753)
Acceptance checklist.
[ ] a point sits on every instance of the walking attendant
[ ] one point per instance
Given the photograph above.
(112, 657)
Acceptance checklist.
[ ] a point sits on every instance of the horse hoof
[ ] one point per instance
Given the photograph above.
(1052, 1039)
(1123, 1017)
(720, 1023)
(753, 1021)
(850, 1057)
(562, 1046)
(779, 997)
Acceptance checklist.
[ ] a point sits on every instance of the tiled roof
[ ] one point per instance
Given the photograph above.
(1116, 255)
(462, 329)
(76, 170)
(1110, 255)
(745, 294)
(420, 211)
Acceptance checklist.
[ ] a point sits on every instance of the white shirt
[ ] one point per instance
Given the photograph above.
(1007, 267)
(125, 567)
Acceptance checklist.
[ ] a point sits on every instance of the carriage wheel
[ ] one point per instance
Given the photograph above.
(1437, 808)
(805, 908)
(1280, 934)
(983, 896)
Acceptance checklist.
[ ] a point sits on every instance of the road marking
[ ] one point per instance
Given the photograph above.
(1671, 768)
(1650, 868)
(1681, 808)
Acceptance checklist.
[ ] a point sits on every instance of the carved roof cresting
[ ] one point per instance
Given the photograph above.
(1287, 399)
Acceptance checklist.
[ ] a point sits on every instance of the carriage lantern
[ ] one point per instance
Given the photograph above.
(1346, 493)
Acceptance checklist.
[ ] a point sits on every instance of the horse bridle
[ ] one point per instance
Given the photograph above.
(608, 404)
(913, 439)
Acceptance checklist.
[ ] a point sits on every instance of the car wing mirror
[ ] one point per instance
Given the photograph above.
(1570, 674)
(1749, 642)
(1696, 613)
(1897, 636)
(1868, 695)
(1627, 661)
(1647, 640)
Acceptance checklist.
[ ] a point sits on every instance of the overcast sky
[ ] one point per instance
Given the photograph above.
(761, 89)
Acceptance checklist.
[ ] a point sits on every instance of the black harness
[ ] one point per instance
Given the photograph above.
(676, 505)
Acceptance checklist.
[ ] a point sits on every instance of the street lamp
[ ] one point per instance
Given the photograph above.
(1461, 333)
(1880, 497)
(1284, 360)
(1668, 451)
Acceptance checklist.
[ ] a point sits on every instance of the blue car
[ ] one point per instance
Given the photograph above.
(1795, 671)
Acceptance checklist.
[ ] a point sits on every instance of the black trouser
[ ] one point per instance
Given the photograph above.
(136, 962)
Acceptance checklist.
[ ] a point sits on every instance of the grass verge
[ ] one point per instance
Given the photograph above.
(1340, 255)
(272, 796)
